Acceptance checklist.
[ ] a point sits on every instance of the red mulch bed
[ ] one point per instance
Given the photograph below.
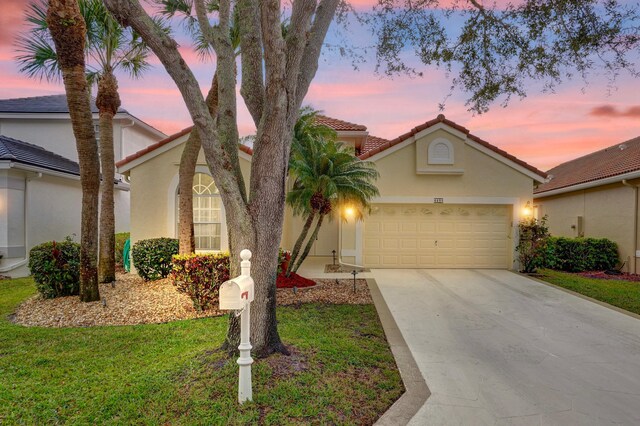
(294, 280)
(604, 276)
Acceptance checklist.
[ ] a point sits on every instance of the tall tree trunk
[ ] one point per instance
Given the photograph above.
(255, 222)
(303, 235)
(68, 31)
(187, 170)
(312, 240)
(108, 102)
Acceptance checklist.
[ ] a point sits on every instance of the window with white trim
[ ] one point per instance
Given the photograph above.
(440, 152)
(207, 213)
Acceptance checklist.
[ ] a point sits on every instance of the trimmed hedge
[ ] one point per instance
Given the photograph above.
(55, 267)
(152, 257)
(199, 276)
(580, 254)
(121, 237)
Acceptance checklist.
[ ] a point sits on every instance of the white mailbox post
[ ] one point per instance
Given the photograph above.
(237, 295)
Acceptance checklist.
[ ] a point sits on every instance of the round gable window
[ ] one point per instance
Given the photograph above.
(440, 152)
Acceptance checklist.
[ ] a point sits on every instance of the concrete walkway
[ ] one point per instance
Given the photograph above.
(498, 348)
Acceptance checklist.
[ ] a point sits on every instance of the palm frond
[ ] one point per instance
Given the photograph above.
(322, 165)
(37, 57)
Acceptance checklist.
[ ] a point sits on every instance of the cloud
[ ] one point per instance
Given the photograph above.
(11, 20)
(613, 112)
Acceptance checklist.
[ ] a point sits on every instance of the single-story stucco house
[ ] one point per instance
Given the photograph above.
(596, 196)
(447, 199)
(40, 193)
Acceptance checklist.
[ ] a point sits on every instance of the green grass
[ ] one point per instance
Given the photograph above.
(342, 371)
(623, 294)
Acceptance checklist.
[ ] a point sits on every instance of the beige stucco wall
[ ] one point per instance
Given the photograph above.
(483, 175)
(485, 180)
(607, 212)
(153, 193)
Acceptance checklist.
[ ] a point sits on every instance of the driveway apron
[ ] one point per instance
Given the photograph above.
(498, 348)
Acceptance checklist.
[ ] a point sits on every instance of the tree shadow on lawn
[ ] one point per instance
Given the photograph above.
(340, 371)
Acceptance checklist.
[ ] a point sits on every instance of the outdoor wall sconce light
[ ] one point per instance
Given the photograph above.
(527, 210)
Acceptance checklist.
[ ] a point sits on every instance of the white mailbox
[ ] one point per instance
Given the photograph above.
(235, 293)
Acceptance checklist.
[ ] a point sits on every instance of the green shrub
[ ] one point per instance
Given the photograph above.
(199, 276)
(55, 267)
(581, 254)
(152, 258)
(121, 237)
(532, 242)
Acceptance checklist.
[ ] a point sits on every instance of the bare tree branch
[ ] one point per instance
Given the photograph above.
(309, 63)
(203, 22)
(297, 38)
(130, 13)
(252, 89)
(274, 56)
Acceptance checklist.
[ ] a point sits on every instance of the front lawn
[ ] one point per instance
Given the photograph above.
(341, 370)
(623, 294)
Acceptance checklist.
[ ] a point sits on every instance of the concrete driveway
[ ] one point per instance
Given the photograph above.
(498, 348)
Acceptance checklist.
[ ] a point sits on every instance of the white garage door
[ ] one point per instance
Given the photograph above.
(437, 236)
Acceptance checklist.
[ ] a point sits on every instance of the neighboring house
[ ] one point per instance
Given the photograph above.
(448, 199)
(596, 196)
(40, 194)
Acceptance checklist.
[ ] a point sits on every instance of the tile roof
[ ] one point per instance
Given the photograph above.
(334, 123)
(165, 141)
(340, 125)
(42, 104)
(615, 160)
(442, 119)
(22, 152)
(371, 143)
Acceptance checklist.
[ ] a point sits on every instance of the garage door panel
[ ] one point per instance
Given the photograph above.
(390, 243)
(481, 243)
(409, 227)
(409, 244)
(426, 227)
(464, 244)
(371, 243)
(464, 227)
(390, 260)
(390, 227)
(446, 243)
(437, 236)
(372, 260)
(409, 261)
(427, 244)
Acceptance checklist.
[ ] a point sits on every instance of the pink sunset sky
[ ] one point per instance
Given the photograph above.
(544, 129)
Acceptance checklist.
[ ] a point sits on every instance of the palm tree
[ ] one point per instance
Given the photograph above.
(109, 47)
(68, 34)
(327, 174)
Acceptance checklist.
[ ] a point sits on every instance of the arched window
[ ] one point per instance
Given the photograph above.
(440, 152)
(207, 213)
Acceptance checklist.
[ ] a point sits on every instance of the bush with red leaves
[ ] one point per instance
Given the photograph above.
(200, 276)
